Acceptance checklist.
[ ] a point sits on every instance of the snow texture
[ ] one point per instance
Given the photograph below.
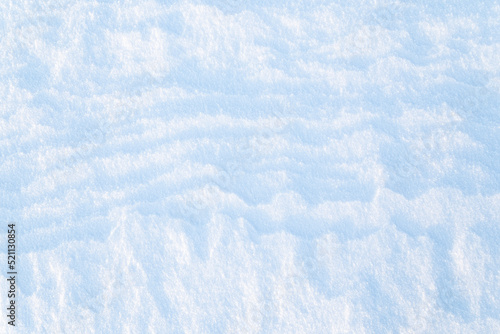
(230, 166)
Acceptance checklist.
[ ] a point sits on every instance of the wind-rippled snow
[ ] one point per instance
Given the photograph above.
(232, 167)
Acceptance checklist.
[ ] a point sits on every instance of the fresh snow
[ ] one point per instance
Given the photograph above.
(224, 166)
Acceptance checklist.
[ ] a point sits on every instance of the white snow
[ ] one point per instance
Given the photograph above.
(222, 166)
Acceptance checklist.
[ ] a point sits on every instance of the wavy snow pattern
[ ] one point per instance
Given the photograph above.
(226, 167)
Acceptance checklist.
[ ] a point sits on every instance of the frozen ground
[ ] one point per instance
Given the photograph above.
(229, 166)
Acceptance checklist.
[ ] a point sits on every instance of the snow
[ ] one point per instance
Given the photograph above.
(222, 166)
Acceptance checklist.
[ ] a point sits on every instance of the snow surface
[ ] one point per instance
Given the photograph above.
(228, 166)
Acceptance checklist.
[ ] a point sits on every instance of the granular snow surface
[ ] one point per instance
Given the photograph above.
(232, 166)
